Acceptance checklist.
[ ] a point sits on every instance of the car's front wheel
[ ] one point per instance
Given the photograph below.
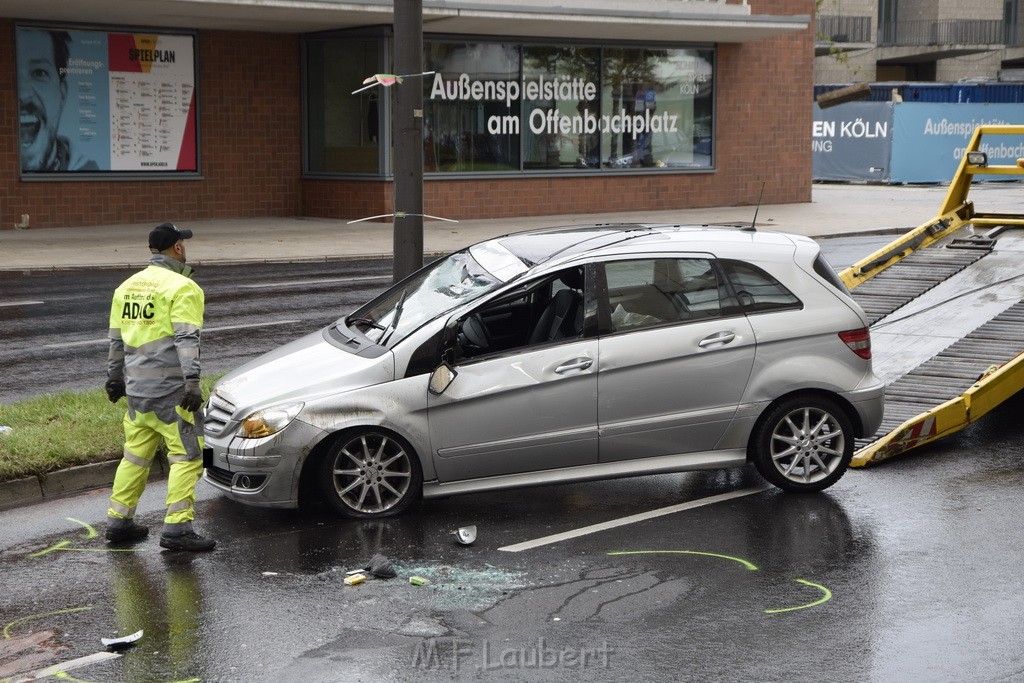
(371, 473)
(803, 443)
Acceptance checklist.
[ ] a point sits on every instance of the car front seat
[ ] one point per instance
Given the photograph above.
(562, 318)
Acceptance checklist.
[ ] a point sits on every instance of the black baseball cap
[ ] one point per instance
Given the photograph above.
(165, 235)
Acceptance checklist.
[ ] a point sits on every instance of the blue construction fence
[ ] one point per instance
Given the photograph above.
(908, 142)
(960, 93)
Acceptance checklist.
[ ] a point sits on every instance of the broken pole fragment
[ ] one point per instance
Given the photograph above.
(858, 91)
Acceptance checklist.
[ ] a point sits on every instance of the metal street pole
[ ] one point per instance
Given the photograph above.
(407, 133)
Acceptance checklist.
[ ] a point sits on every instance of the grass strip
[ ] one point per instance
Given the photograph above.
(62, 430)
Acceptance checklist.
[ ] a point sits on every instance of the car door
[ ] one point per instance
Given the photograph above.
(675, 355)
(527, 402)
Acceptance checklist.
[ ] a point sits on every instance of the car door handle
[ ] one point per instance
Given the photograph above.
(574, 364)
(716, 338)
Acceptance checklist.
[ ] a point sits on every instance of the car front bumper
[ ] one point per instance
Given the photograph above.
(262, 472)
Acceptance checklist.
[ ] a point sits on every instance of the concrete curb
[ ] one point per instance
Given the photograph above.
(73, 480)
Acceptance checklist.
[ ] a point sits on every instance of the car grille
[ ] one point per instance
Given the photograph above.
(219, 475)
(218, 415)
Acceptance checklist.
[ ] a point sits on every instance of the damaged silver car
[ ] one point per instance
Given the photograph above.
(560, 355)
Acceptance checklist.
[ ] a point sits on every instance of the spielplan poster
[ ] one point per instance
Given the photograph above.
(99, 101)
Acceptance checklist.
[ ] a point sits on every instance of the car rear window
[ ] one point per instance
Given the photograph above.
(823, 268)
(756, 290)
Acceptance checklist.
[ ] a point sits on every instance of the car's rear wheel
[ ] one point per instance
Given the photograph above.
(803, 443)
(371, 473)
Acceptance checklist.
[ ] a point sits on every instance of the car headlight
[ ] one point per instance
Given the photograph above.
(268, 421)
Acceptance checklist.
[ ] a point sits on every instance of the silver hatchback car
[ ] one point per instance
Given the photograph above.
(560, 355)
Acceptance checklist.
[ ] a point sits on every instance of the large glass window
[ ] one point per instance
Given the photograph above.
(561, 106)
(504, 107)
(342, 129)
(471, 112)
(656, 107)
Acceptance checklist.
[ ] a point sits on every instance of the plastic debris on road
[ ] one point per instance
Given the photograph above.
(465, 535)
(419, 581)
(121, 643)
(354, 579)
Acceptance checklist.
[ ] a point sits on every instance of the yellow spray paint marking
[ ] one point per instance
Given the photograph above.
(90, 531)
(18, 622)
(66, 545)
(827, 595)
(752, 567)
(58, 546)
(65, 676)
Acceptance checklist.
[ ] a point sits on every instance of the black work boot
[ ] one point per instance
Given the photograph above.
(187, 540)
(125, 531)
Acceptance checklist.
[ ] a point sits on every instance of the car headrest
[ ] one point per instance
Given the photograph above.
(572, 278)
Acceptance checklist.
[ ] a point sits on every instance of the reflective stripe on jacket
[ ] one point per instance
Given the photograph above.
(155, 320)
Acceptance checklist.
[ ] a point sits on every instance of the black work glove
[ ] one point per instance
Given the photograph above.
(193, 397)
(115, 389)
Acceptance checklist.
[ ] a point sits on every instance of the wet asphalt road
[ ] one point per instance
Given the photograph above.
(919, 559)
(905, 571)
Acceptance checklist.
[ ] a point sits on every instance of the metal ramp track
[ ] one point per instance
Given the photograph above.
(903, 282)
(953, 371)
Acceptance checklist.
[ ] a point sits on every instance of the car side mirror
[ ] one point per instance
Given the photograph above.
(441, 378)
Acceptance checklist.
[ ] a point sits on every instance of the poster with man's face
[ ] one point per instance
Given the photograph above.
(95, 101)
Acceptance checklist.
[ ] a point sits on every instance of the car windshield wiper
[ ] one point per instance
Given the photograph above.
(393, 325)
(367, 322)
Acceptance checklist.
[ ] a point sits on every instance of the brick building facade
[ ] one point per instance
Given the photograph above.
(251, 145)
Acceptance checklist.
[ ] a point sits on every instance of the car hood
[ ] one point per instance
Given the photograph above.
(305, 369)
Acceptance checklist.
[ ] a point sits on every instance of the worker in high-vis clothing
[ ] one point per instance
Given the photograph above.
(155, 321)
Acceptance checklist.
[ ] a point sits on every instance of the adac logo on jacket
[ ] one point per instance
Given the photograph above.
(139, 302)
(133, 310)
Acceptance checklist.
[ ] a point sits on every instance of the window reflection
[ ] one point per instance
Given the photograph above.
(507, 107)
(658, 107)
(547, 141)
(467, 124)
(343, 129)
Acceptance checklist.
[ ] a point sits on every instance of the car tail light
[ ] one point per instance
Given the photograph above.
(859, 341)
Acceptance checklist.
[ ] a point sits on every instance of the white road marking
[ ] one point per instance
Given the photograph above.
(69, 665)
(84, 342)
(250, 325)
(224, 328)
(322, 281)
(632, 519)
(20, 303)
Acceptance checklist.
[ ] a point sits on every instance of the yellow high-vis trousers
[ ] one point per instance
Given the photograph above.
(143, 433)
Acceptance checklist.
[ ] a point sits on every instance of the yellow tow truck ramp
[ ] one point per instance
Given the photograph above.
(945, 302)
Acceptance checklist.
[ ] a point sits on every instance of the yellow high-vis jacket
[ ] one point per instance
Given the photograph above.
(155, 321)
